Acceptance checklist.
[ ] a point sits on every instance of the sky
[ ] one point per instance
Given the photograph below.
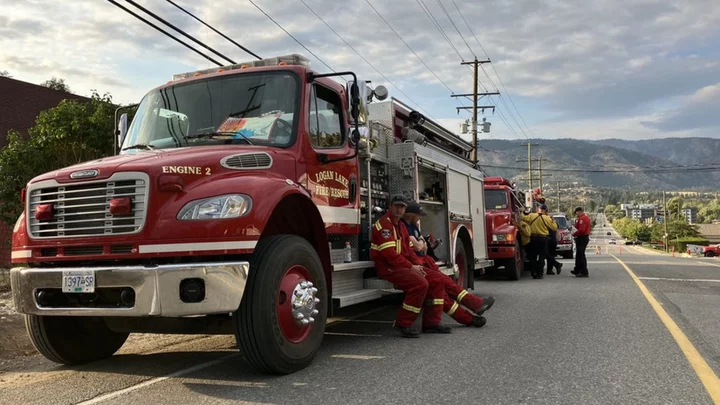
(630, 69)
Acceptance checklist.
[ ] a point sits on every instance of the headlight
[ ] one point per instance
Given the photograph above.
(221, 207)
(504, 238)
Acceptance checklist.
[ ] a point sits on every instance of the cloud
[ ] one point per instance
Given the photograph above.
(580, 71)
(699, 112)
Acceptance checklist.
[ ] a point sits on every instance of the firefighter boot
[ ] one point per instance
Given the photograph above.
(487, 304)
(559, 267)
(437, 329)
(478, 321)
(407, 332)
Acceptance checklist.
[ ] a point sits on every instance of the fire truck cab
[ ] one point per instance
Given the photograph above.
(236, 197)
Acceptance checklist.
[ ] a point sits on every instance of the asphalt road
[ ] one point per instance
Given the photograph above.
(559, 340)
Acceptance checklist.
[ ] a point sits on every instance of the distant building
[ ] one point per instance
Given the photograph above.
(690, 214)
(20, 104)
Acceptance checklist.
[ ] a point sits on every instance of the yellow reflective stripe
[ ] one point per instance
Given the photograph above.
(383, 246)
(398, 246)
(378, 226)
(453, 309)
(411, 308)
(437, 301)
(462, 294)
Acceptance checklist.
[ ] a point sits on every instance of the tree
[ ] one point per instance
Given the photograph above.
(593, 205)
(73, 132)
(5, 73)
(56, 84)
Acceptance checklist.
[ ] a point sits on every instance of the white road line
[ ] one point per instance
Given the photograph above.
(147, 383)
(356, 357)
(697, 280)
(709, 264)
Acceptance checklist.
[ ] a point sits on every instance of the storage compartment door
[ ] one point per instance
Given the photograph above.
(477, 203)
(458, 194)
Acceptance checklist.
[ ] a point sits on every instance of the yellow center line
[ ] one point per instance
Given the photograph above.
(707, 376)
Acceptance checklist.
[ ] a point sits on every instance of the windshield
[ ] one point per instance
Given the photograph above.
(562, 222)
(495, 200)
(253, 108)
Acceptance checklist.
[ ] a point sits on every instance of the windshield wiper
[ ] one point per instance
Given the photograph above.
(213, 134)
(140, 146)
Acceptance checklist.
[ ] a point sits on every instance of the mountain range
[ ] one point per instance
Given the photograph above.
(613, 163)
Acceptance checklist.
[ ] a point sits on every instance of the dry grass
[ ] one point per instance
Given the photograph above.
(4, 280)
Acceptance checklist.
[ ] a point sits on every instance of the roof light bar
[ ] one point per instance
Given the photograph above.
(294, 60)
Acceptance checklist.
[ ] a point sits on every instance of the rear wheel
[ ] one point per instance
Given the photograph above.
(281, 320)
(461, 261)
(710, 254)
(514, 266)
(73, 339)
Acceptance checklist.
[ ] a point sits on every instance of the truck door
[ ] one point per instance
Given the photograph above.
(334, 185)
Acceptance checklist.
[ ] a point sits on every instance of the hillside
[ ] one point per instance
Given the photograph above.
(678, 150)
(581, 157)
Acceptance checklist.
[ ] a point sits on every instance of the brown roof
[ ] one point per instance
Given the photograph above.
(710, 231)
(21, 102)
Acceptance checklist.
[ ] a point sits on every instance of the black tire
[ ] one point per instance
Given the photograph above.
(461, 251)
(567, 255)
(710, 254)
(512, 270)
(258, 331)
(73, 340)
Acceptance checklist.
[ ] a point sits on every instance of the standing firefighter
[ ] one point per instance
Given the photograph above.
(582, 224)
(454, 296)
(395, 262)
(540, 226)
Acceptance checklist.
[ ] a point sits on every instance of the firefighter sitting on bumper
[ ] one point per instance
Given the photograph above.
(454, 296)
(395, 262)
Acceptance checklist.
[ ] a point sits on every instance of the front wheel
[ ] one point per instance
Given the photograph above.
(73, 340)
(281, 320)
(514, 266)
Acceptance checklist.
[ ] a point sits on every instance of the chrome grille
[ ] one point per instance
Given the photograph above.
(83, 209)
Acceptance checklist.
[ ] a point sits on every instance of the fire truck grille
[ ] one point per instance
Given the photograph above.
(84, 209)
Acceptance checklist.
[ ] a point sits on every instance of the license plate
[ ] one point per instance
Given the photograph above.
(78, 281)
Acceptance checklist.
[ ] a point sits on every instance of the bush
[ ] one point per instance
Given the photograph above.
(680, 245)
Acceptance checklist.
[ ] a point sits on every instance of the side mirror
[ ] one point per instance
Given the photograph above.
(122, 129)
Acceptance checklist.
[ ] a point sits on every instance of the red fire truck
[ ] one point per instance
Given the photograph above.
(241, 202)
(502, 203)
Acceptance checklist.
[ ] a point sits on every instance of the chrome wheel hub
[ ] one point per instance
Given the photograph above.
(304, 302)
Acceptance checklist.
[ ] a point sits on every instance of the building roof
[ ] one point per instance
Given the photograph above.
(21, 102)
(710, 231)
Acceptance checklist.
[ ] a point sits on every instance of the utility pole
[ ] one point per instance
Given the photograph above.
(540, 177)
(475, 106)
(558, 185)
(665, 219)
(529, 160)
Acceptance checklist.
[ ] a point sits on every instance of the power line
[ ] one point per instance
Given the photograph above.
(164, 32)
(408, 46)
(640, 169)
(435, 22)
(291, 36)
(494, 69)
(456, 29)
(216, 31)
(185, 34)
(362, 57)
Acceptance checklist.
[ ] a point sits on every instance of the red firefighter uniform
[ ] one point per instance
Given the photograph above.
(390, 250)
(454, 296)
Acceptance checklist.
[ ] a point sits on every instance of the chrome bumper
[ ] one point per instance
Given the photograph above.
(564, 247)
(156, 289)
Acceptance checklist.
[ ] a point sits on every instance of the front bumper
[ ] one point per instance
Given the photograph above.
(564, 247)
(501, 251)
(157, 289)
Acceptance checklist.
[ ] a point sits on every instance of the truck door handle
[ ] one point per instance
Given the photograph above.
(353, 187)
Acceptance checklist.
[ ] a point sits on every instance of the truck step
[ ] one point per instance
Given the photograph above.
(356, 297)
